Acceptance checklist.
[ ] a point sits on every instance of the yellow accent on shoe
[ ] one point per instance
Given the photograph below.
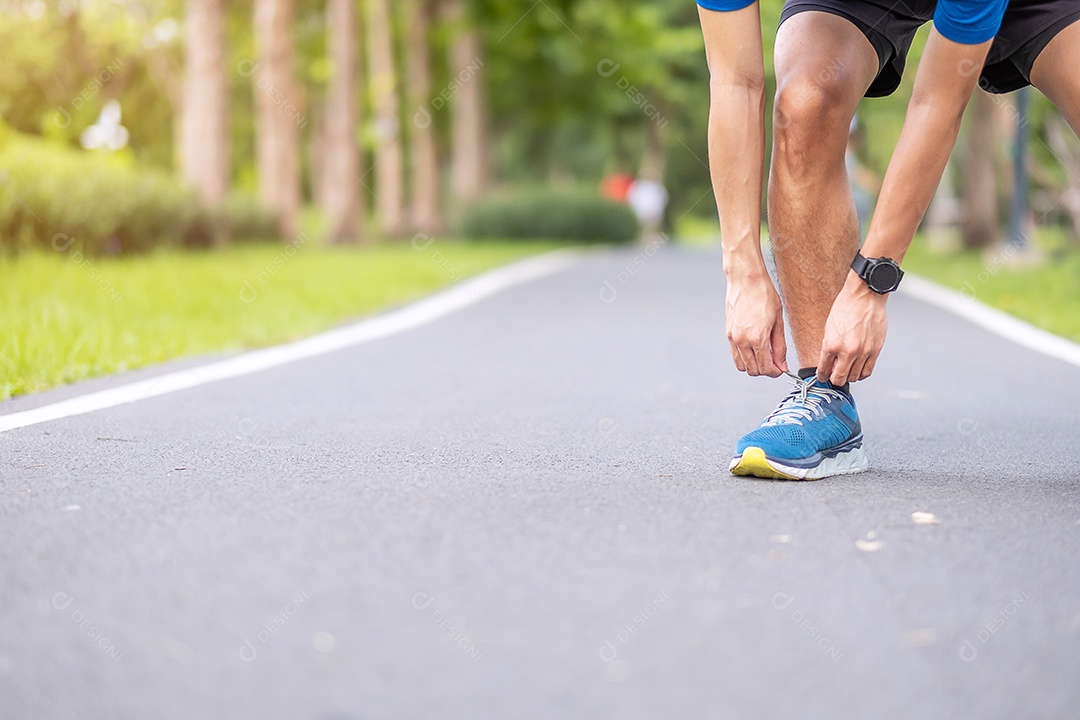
(753, 462)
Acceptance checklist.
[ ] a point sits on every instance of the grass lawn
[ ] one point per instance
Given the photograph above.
(65, 318)
(1046, 294)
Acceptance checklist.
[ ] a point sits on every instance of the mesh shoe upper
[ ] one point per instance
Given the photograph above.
(814, 418)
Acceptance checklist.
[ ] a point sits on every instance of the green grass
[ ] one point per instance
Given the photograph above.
(1046, 294)
(62, 321)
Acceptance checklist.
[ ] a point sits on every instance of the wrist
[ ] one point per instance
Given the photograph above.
(748, 275)
(856, 287)
(882, 246)
(742, 267)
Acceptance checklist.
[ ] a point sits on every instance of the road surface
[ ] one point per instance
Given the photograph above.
(523, 510)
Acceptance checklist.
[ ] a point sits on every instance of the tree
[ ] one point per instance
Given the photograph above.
(341, 157)
(1063, 143)
(470, 170)
(277, 115)
(424, 212)
(389, 163)
(204, 145)
(979, 201)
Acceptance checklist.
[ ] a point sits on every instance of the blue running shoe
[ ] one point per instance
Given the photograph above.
(813, 433)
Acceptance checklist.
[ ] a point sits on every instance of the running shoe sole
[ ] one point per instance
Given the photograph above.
(754, 462)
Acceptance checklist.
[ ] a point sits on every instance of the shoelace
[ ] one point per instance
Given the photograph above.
(802, 403)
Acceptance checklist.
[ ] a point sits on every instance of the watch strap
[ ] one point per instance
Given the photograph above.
(860, 265)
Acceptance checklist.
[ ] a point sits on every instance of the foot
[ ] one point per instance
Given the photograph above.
(813, 433)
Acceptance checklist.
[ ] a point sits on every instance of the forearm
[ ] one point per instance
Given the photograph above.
(736, 164)
(737, 134)
(921, 154)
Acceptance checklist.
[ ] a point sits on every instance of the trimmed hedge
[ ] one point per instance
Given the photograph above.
(97, 201)
(549, 215)
(55, 196)
(247, 219)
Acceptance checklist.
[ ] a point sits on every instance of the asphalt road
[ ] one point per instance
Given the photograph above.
(523, 510)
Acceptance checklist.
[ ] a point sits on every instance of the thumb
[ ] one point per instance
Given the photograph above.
(825, 364)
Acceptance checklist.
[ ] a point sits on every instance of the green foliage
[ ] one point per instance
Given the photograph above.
(247, 219)
(105, 204)
(549, 215)
(572, 86)
(575, 84)
(1042, 292)
(62, 66)
(96, 203)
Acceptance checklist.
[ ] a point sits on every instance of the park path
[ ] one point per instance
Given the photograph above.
(523, 510)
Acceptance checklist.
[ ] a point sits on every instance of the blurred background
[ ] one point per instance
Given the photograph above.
(246, 148)
(381, 116)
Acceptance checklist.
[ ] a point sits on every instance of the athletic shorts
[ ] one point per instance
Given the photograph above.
(1028, 26)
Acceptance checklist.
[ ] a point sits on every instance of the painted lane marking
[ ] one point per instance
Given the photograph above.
(996, 321)
(412, 316)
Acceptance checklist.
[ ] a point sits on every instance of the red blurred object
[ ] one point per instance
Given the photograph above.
(616, 186)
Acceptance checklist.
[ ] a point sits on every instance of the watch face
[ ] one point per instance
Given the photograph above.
(884, 277)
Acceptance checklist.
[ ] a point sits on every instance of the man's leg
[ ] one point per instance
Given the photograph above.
(1055, 74)
(824, 64)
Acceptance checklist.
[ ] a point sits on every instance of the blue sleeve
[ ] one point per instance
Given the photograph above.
(969, 21)
(725, 5)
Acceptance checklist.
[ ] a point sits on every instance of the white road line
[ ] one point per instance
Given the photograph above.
(988, 318)
(419, 313)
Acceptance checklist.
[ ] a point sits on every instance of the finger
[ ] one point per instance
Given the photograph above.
(868, 368)
(841, 368)
(825, 364)
(748, 357)
(739, 364)
(765, 363)
(855, 374)
(779, 346)
(741, 361)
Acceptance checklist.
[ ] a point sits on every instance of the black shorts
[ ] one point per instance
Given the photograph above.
(890, 26)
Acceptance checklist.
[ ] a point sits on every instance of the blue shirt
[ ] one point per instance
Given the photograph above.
(968, 21)
(964, 21)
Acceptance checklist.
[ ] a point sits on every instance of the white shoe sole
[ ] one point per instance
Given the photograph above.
(754, 463)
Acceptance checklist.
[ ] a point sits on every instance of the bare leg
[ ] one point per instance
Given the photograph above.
(1055, 73)
(824, 64)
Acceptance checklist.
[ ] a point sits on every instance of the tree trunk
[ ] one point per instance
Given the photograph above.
(339, 156)
(389, 156)
(1057, 132)
(318, 152)
(278, 118)
(470, 171)
(424, 213)
(980, 226)
(204, 132)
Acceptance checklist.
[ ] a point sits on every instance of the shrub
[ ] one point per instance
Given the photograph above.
(247, 219)
(54, 194)
(549, 215)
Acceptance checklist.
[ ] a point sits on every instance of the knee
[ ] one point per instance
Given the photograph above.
(811, 116)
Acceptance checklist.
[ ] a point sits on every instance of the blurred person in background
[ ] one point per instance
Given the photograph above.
(648, 199)
(829, 54)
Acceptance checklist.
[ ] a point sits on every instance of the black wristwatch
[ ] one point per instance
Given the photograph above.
(882, 275)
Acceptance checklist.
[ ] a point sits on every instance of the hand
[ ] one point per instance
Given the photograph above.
(755, 327)
(854, 333)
